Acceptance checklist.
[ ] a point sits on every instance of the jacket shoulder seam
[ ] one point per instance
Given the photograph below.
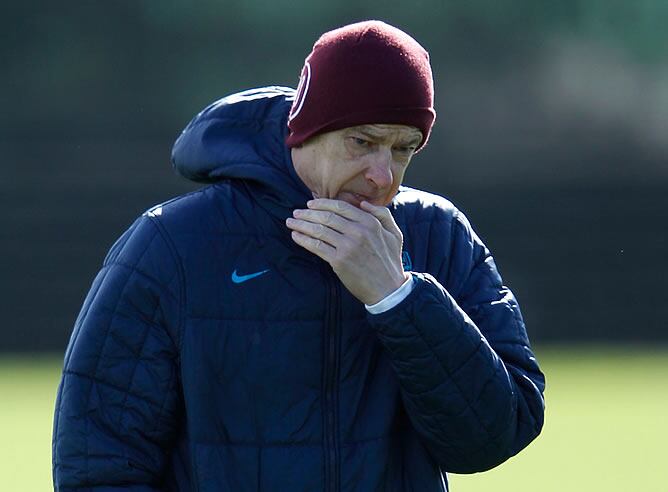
(179, 271)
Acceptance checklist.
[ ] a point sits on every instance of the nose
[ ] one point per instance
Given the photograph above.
(379, 171)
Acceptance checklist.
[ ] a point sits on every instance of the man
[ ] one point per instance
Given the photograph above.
(302, 324)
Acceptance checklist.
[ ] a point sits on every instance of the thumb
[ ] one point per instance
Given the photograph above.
(383, 215)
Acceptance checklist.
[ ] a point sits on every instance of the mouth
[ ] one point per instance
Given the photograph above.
(359, 198)
(356, 199)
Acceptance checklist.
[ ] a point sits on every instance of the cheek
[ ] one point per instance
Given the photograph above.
(337, 177)
(346, 171)
(398, 175)
(397, 179)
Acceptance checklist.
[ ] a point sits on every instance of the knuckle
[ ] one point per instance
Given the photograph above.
(371, 221)
(329, 218)
(357, 233)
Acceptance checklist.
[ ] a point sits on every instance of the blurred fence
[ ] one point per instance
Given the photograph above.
(552, 135)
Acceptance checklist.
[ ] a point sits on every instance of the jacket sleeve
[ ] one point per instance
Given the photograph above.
(119, 399)
(470, 384)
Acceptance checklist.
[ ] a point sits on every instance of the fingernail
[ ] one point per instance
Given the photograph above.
(310, 202)
(296, 212)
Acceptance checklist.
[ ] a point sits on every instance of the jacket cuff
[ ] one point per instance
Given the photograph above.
(392, 299)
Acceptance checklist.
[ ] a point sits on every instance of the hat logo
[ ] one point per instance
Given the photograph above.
(302, 90)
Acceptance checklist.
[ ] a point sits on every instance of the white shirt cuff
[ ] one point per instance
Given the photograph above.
(391, 300)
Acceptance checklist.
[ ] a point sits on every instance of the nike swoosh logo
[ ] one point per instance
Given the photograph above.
(239, 279)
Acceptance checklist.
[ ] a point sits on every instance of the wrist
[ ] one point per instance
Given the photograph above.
(393, 298)
(388, 289)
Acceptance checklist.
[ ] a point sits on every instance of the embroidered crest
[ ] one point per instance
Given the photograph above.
(406, 261)
(302, 90)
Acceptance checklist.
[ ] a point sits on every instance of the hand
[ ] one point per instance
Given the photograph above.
(363, 246)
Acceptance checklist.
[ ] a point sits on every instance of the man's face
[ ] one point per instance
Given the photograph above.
(360, 163)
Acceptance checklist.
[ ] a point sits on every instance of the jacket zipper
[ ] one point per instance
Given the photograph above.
(330, 377)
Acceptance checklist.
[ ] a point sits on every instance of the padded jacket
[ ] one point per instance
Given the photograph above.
(214, 354)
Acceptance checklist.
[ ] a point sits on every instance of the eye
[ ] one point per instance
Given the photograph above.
(405, 149)
(361, 141)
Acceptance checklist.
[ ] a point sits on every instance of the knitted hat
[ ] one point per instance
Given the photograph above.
(363, 73)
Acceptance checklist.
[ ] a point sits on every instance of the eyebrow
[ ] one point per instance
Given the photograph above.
(414, 138)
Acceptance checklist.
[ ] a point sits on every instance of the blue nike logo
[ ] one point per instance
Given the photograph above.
(238, 279)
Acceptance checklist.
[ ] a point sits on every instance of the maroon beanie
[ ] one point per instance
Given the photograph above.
(363, 73)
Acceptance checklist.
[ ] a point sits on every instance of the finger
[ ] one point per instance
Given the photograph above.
(315, 230)
(315, 246)
(339, 207)
(326, 218)
(383, 215)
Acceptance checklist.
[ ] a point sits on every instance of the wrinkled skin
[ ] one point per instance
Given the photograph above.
(353, 174)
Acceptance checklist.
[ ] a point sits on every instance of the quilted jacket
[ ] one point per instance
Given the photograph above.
(214, 354)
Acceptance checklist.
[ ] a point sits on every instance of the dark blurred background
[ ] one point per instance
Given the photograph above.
(551, 135)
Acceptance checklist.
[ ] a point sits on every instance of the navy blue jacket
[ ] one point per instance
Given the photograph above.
(214, 354)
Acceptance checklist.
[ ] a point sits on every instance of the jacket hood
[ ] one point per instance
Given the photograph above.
(242, 136)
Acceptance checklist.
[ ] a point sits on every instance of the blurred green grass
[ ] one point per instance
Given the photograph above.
(606, 424)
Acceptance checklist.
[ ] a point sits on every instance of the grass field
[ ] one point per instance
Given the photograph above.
(606, 425)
